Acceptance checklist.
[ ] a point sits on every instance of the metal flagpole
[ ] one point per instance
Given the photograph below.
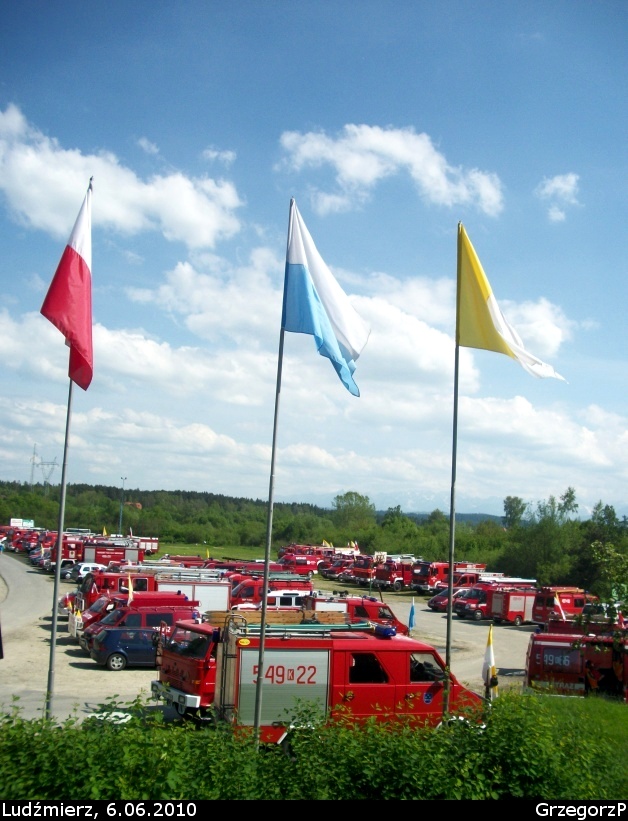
(55, 594)
(269, 524)
(452, 503)
(452, 539)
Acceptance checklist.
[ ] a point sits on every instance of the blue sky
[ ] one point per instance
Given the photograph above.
(389, 123)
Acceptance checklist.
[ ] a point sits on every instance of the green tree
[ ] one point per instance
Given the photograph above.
(514, 511)
(353, 513)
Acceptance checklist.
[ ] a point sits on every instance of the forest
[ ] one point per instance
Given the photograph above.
(546, 540)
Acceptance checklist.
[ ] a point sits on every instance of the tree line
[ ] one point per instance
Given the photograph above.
(544, 540)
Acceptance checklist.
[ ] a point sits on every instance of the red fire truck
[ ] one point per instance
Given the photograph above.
(477, 602)
(468, 578)
(513, 606)
(427, 575)
(395, 572)
(559, 603)
(251, 591)
(211, 672)
(576, 665)
(363, 571)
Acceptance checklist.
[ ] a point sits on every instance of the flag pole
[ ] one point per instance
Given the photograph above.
(269, 523)
(55, 594)
(452, 503)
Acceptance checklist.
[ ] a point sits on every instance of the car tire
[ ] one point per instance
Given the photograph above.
(397, 586)
(116, 662)
(518, 621)
(477, 615)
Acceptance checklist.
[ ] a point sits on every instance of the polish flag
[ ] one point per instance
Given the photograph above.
(68, 303)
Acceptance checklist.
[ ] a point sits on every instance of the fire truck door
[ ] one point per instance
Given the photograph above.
(363, 687)
(422, 694)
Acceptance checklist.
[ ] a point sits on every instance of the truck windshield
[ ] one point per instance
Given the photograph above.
(113, 617)
(189, 643)
(99, 605)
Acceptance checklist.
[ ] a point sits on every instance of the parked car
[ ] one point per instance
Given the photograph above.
(336, 568)
(117, 648)
(66, 571)
(80, 570)
(438, 603)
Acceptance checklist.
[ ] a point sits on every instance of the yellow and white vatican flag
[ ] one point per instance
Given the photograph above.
(479, 320)
(489, 671)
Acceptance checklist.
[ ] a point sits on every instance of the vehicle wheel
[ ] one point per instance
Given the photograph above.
(116, 661)
(397, 586)
(477, 615)
(518, 621)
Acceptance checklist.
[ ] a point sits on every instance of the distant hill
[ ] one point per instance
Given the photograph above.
(470, 518)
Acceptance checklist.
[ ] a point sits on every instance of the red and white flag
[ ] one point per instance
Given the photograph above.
(68, 303)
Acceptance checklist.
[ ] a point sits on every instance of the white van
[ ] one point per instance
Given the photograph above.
(79, 571)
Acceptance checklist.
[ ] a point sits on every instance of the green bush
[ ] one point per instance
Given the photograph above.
(529, 747)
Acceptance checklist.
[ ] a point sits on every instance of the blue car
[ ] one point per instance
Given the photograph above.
(116, 648)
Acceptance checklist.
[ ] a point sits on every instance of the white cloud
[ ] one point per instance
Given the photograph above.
(147, 146)
(225, 157)
(542, 325)
(560, 191)
(44, 184)
(363, 156)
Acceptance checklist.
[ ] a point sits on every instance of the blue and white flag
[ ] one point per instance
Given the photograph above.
(411, 619)
(314, 303)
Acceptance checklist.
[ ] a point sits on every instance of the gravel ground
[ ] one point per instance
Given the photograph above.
(79, 686)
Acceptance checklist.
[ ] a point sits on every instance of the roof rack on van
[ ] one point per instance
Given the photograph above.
(238, 623)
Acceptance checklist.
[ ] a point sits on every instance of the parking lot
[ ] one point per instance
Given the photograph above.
(80, 686)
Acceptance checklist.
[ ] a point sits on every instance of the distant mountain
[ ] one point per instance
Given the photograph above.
(471, 518)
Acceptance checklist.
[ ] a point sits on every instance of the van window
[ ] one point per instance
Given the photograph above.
(155, 619)
(133, 620)
(290, 601)
(366, 669)
(424, 667)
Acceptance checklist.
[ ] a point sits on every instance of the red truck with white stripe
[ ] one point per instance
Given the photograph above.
(513, 606)
(477, 602)
(210, 672)
(428, 577)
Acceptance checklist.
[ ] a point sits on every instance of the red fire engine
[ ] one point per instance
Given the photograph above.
(427, 575)
(211, 671)
(576, 665)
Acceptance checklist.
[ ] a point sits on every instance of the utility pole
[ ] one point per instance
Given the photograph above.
(33, 462)
(47, 473)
